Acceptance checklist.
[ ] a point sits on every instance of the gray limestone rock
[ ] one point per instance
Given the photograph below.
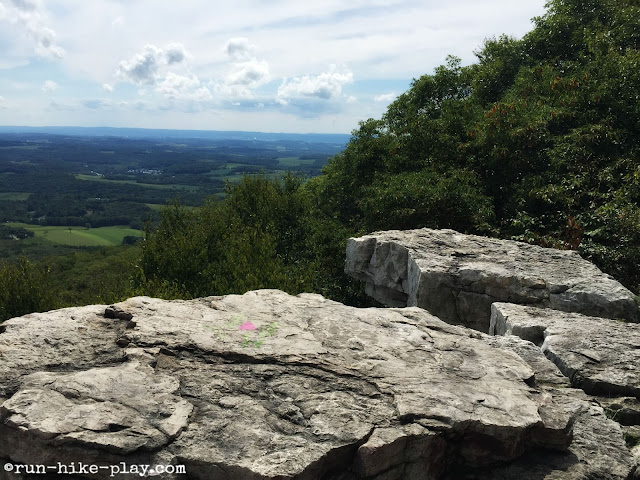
(457, 277)
(599, 355)
(270, 386)
(597, 452)
(598, 449)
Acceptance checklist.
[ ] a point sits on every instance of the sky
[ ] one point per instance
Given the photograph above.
(249, 65)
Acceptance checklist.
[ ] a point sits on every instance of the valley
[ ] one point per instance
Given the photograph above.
(81, 188)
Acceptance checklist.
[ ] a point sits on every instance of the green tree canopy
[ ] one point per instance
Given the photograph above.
(537, 141)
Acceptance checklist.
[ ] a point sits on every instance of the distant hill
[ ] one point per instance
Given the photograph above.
(147, 133)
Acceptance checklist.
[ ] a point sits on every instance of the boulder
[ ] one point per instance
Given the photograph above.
(599, 355)
(457, 277)
(598, 449)
(270, 386)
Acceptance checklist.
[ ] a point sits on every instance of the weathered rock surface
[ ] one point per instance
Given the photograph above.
(457, 277)
(266, 385)
(600, 356)
(598, 441)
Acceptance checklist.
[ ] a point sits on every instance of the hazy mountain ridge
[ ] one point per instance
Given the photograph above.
(149, 133)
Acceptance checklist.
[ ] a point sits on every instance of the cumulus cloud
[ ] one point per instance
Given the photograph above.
(49, 86)
(251, 73)
(183, 88)
(25, 5)
(323, 86)
(28, 16)
(385, 97)
(175, 53)
(246, 73)
(239, 48)
(143, 68)
(118, 22)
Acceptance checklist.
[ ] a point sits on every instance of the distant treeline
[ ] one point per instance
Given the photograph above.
(100, 181)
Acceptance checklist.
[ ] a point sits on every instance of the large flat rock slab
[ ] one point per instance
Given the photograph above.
(599, 355)
(457, 277)
(270, 386)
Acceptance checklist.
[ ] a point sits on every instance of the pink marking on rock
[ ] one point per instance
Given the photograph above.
(247, 326)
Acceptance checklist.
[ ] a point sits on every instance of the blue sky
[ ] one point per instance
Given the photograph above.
(258, 65)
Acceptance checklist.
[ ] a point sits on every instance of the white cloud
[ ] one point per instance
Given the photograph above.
(28, 16)
(107, 87)
(231, 91)
(143, 68)
(176, 53)
(246, 71)
(385, 97)
(24, 5)
(183, 88)
(251, 73)
(97, 104)
(49, 86)
(379, 41)
(3, 103)
(239, 48)
(324, 86)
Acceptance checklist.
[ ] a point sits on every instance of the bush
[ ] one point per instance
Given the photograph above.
(24, 289)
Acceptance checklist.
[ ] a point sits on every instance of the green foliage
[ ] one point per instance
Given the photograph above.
(267, 233)
(252, 240)
(97, 276)
(539, 142)
(24, 289)
(426, 198)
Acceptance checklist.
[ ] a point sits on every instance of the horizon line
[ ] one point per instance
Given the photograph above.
(53, 127)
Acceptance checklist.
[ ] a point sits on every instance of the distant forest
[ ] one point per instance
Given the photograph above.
(48, 179)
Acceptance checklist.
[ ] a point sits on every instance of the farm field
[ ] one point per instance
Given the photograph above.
(80, 236)
(95, 178)
(14, 196)
(291, 162)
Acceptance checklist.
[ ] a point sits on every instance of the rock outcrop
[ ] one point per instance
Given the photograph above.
(271, 386)
(457, 277)
(598, 355)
